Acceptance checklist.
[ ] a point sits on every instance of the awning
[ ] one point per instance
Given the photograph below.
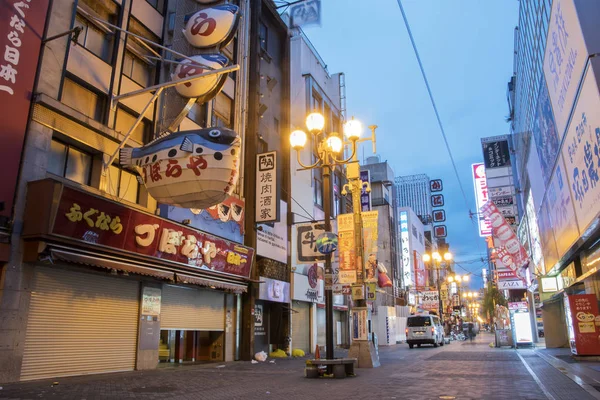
(212, 283)
(100, 260)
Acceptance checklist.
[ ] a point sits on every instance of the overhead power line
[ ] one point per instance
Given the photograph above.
(437, 115)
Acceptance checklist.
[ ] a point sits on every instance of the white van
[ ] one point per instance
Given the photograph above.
(424, 329)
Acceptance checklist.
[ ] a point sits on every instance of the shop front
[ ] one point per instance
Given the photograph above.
(116, 289)
(308, 291)
(270, 315)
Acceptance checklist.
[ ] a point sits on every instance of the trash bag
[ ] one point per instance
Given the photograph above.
(383, 280)
(278, 354)
(261, 356)
(298, 353)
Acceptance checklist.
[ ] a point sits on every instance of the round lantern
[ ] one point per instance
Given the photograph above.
(212, 27)
(190, 169)
(204, 87)
(327, 243)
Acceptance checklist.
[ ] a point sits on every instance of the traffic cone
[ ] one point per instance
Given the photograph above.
(317, 353)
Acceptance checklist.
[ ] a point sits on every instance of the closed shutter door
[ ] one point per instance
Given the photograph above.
(301, 327)
(321, 326)
(192, 309)
(80, 324)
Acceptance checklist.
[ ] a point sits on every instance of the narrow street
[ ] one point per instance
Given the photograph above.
(460, 370)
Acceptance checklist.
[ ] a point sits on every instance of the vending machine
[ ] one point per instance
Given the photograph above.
(583, 324)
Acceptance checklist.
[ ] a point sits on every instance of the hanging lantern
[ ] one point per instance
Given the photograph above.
(212, 27)
(208, 86)
(190, 169)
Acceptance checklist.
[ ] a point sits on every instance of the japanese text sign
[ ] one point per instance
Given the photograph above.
(101, 222)
(347, 249)
(439, 231)
(564, 60)
(496, 154)
(407, 273)
(21, 30)
(365, 197)
(435, 185)
(307, 250)
(437, 200)
(481, 197)
(430, 300)
(439, 216)
(267, 201)
(584, 319)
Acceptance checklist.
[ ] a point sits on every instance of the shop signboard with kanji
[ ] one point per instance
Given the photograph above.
(100, 222)
(267, 195)
(439, 215)
(21, 32)
(437, 200)
(365, 196)
(435, 185)
(583, 322)
(346, 249)
(430, 300)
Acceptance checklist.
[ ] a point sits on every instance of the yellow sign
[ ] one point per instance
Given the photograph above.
(371, 291)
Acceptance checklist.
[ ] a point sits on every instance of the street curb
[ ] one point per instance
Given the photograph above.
(565, 368)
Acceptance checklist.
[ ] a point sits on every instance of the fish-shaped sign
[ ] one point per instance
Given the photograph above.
(207, 87)
(190, 169)
(212, 27)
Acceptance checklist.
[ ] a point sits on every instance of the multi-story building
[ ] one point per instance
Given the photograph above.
(413, 191)
(98, 276)
(313, 89)
(553, 101)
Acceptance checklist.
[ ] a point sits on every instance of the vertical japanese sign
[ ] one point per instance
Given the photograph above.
(581, 150)
(583, 310)
(405, 247)
(496, 154)
(267, 199)
(365, 197)
(346, 249)
(564, 60)
(370, 236)
(21, 30)
(360, 320)
(481, 197)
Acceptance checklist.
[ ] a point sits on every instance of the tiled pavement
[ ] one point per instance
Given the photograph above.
(461, 370)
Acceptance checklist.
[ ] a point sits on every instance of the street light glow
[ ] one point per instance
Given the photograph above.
(315, 122)
(334, 143)
(436, 256)
(447, 256)
(353, 129)
(426, 257)
(298, 139)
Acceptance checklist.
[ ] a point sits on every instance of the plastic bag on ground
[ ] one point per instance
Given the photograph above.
(260, 356)
(298, 353)
(278, 354)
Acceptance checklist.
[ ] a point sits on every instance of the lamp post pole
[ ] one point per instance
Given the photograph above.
(439, 273)
(328, 268)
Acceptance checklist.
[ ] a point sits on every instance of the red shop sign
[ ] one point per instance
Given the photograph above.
(95, 220)
(584, 320)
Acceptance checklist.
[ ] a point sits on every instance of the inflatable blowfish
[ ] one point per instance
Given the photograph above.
(190, 169)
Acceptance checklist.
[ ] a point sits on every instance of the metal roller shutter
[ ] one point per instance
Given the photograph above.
(192, 309)
(321, 326)
(80, 324)
(301, 327)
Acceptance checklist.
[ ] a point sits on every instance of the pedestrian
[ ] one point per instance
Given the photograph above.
(470, 330)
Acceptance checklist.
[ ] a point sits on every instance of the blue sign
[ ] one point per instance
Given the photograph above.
(544, 132)
(365, 197)
(327, 243)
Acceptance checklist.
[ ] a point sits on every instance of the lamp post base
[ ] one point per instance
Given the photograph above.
(365, 352)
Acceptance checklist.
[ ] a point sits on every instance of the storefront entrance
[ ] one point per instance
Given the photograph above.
(179, 346)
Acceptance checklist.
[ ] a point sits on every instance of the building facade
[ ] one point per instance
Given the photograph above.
(552, 95)
(413, 191)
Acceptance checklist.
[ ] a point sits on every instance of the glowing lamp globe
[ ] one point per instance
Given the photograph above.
(315, 122)
(447, 256)
(353, 129)
(426, 257)
(298, 140)
(334, 143)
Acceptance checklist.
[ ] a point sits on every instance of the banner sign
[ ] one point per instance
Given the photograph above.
(435, 185)
(509, 249)
(430, 300)
(507, 285)
(581, 312)
(481, 197)
(405, 247)
(98, 221)
(564, 60)
(365, 197)
(496, 154)
(370, 237)
(267, 200)
(274, 290)
(346, 249)
(21, 31)
(360, 330)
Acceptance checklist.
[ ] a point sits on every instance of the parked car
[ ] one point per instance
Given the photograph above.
(424, 329)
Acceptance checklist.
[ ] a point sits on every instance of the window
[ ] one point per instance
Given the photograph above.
(95, 39)
(125, 121)
(263, 36)
(158, 5)
(70, 163)
(122, 184)
(223, 111)
(138, 70)
(318, 187)
(82, 99)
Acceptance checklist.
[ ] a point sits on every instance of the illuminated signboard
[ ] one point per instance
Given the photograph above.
(405, 242)
(481, 197)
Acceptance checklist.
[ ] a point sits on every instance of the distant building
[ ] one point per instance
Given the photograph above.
(413, 191)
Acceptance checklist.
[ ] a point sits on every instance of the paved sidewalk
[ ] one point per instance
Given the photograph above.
(461, 370)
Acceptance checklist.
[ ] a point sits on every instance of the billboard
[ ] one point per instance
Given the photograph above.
(496, 153)
(405, 247)
(544, 132)
(481, 197)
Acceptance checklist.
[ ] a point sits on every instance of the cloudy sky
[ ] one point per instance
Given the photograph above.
(466, 47)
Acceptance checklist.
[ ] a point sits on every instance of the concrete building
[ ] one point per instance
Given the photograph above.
(553, 103)
(313, 88)
(90, 284)
(413, 191)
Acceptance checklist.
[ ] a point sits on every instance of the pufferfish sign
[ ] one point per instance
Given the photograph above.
(190, 169)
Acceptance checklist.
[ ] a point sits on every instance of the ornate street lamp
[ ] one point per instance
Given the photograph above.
(329, 147)
(437, 259)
